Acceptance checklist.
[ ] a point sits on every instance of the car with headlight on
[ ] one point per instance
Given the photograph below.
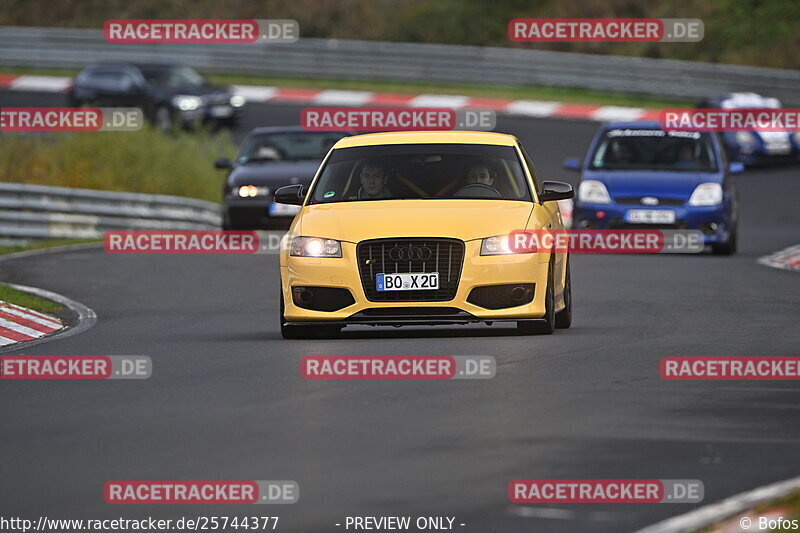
(170, 96)
(269, 158)
(755, 147)
(638, 176)
(413, 228)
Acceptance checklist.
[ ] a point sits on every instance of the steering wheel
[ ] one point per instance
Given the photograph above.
(479, 190)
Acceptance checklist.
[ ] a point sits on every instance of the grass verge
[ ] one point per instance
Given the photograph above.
(145, 161)
(11, 295)
(38, 245)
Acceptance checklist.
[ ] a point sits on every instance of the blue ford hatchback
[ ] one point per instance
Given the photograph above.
(637, 176)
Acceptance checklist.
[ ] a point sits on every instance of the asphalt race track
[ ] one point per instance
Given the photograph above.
(226, 399)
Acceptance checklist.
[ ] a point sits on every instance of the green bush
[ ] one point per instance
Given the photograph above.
(147, 161)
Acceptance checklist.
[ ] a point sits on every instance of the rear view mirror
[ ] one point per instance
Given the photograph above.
(290, 194)
(555, 190)
(222, 162)
(735, 167)
(571, 163)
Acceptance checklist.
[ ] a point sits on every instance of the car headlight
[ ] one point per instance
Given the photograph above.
(497, 245)
(315, 247)
(707, 194)
(237, 100)
(593, 192)
(251, 191)
(186, 102)
(746, 137)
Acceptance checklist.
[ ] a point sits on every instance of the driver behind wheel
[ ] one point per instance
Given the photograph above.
(479, 181)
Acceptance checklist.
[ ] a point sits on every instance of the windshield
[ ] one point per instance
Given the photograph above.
(650, 149)
(173, 76)
(288, 146)
(422, 171)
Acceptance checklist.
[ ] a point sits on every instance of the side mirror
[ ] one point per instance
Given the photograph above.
(571, 163)
(735, 167)
(555, 190)
(290, 194)
(222, 162)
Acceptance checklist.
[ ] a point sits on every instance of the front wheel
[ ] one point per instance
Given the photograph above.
(165, 119)
(564, 317)
(728, 247)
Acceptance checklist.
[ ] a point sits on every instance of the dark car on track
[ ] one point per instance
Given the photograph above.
(169, 95)
(270, 158)
(755, 147)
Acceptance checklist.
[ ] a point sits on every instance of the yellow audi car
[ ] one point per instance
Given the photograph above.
(412, 228)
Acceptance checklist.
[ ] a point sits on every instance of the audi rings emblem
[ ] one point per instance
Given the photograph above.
(410, 254)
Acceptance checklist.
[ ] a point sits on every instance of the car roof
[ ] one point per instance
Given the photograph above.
(427, 137)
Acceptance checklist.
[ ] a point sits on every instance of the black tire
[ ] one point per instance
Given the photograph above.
(548, 324)
(564, 317)
(728, 247)
(289, 331)
(164, 119)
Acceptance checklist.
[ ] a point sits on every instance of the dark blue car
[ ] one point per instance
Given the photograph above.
(637, 176)
(755, 147)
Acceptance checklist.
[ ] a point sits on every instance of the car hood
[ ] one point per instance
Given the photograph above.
(458, 219)
(650, 183)
(273, 173)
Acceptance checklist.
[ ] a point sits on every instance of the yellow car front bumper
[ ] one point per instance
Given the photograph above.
(477, 271)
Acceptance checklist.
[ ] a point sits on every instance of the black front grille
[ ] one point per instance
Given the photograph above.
(401, 256)
(637, 200)
(410, 311)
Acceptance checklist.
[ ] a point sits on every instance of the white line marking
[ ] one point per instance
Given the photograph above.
(532, 108)
(50, 323)
(41, 83)
(783, 259)
(19, 328)
(439, 100)
(255, 92)
(710, 514)
(5, 342)
(346, 98)
(610, 112)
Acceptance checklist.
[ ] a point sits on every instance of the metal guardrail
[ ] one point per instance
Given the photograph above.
(409, 62)
(41, 212)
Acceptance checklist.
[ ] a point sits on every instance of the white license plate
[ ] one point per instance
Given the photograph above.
(407, 282)
(650, 216)
(283, 210)
(221, 111)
